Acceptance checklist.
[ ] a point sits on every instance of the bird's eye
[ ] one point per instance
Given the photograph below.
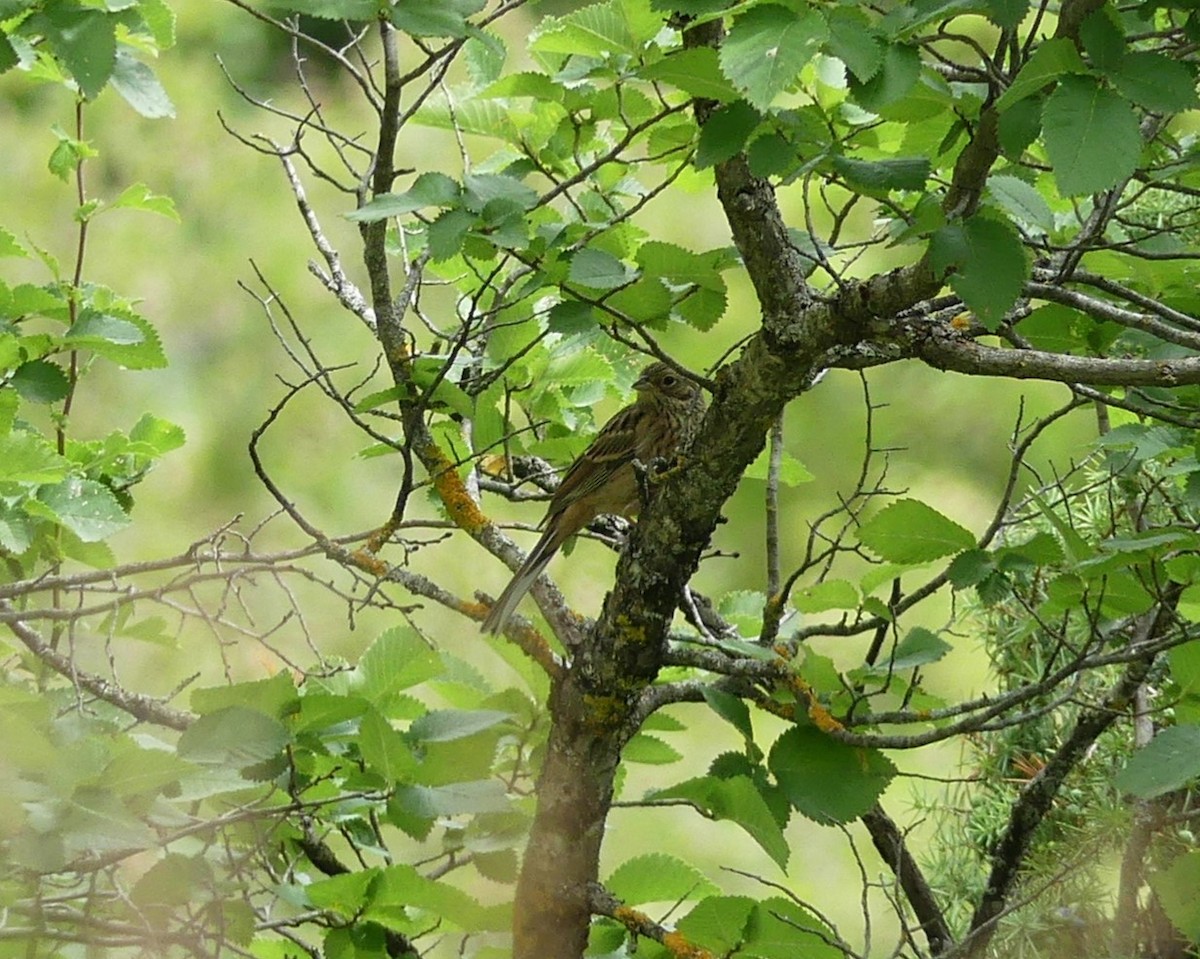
(670, 379)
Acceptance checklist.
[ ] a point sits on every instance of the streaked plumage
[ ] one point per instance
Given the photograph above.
(662, 420)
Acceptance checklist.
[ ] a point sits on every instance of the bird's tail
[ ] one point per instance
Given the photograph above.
(525, 577)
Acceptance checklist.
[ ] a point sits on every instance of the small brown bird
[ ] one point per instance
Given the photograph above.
(662, 421)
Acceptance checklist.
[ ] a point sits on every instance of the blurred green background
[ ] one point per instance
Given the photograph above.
(948, 434)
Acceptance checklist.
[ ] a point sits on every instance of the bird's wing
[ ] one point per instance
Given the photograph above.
(613, 448)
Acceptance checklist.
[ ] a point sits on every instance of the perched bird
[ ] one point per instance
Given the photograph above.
(662, 421)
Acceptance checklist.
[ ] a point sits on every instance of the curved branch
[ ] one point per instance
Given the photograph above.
(946, 351)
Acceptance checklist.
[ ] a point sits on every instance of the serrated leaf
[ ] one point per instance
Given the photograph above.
(831, 594)
(696, 72)
(402, 888)
(87, 508)
(40, 381)
(453, 799)
(30, 458)
(919, 648)
(597, 270)
(235, 736)
(384, 749)
(737, 799)
(1021, 201)
(446, 725)
(1091, 136)
(897, 75)
(1168, 762)
(909, 531)
(93, 327)
(732, 709)
(1156, 82)
(643, 748)
(597, 30)
(397, 660)
(657, 877)
(825, 780)
(852, 41)
(141, 89)
(988, 262)
(767, 47)
(10, 245)
(725, 133)
(1051, 60)
(139, 197)
(430, 189)
(1176, 888)
(718, 924)
(86, 42)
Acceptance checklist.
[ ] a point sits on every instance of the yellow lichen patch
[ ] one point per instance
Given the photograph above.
(679, 946)
(606, 711)
(452, 491)
(365, 559)
(962, 321)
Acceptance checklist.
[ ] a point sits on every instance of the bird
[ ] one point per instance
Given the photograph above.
(660, 423)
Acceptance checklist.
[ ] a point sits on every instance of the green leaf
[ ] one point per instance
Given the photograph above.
(141, 89)
(40, 381)
(597, 30)
(1022, 202)
(420, 18)
(719, 923)
(134, 771)
(1007, 13)
(782, 929)
(397, 660)
(401, 888)
(480, 189)
(725, 133)
(880, 176)
(429, 189)
(1091, 136)
(825, 780)
(1176, 888)
(30, 458)
(384, 749)
(767, 47)
(160, 435)
(343, 895)
(897, 75)
(268, 696)
(988, 262)
(732, 709)
(1157, 82)
(160, 21)
(643, 748)
(1168, 762)
(235, 736)
(739, 800)
(93, 328)
(1020, 125)
(910, 531)
(446, 725)
(791, 471)
(831, 594)
(658, 877)
(919, 648)
(139, 197)
(597, 270)
(87, 508)
(696, 72)
(1103, 38)
(86, 42)
(454, 799)
(10, 245)
(1051, 60)
(854, 42)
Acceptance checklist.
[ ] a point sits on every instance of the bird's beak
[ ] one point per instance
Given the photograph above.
(642, 383)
